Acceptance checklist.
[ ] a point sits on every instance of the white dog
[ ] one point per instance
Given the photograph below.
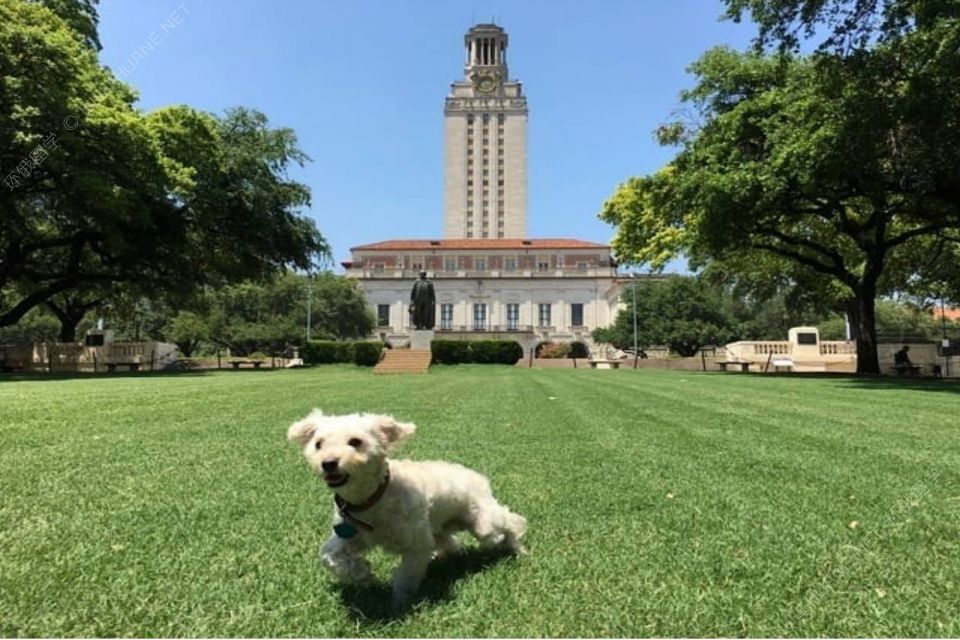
(410, 508)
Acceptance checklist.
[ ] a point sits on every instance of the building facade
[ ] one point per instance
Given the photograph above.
(532, 290)
(491, 281)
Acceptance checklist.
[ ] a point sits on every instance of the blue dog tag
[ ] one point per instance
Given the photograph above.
(345, 530)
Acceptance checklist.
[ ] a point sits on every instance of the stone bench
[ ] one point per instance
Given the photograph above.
(131, 366)
(256, 364)
(605, 364)
(744, 366)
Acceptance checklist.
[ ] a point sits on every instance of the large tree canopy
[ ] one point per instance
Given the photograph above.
(843, 25)
(839, 164)
(96, 193)
(80, 15)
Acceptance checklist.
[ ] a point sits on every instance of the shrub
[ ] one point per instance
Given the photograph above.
(321, 352)
(345, 352)
(495, 351)
(367, 354)
(450, 351)
(479, 351)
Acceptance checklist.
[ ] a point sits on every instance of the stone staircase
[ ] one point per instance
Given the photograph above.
(404, 361)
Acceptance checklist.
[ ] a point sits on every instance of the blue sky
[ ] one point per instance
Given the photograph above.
(363, 83)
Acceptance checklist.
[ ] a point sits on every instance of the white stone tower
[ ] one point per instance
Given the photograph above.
(485, 149)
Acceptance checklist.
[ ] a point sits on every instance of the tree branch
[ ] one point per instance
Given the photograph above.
(913, 233)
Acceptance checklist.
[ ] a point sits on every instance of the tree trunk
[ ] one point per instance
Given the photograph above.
(862, 315)
(68, 329)
(70, 316)
(187, 347)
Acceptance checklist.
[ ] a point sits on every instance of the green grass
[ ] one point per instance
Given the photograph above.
(660, 503)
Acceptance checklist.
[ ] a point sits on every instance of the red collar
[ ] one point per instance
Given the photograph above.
(347, 509)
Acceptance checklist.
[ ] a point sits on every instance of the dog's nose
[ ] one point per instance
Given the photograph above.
(330, 465)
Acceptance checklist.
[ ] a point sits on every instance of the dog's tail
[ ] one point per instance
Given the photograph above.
(507, 528)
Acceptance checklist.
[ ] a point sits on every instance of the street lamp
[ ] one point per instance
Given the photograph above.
(309, 302)
(633, 287)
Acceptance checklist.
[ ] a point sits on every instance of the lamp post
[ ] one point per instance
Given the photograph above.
(943, 320)
(309, 302)
(633, 287)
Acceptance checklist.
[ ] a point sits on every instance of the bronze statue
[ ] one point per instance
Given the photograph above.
(423, 303)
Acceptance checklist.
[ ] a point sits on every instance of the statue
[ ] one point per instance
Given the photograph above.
(423, 303)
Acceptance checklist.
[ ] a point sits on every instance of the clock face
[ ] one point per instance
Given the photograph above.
(486, 83)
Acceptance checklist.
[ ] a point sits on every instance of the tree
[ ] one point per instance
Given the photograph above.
(836, 163)
(70, 308)
(846, 25)
(269, 316)
(769, 296)
(187, 330)
(340, 309)
(80, 15)
(103, 194)
(681, 312)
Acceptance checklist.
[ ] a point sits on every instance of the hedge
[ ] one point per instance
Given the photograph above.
(365, 354)
(478, 351)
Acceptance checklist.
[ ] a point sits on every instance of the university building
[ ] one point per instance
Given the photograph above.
(490, 279)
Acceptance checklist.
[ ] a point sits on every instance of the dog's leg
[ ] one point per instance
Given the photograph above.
(496, 526)
(412, 568)
(342, 557)
(447, 545)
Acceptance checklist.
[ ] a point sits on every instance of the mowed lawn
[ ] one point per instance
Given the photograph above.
(660, 503)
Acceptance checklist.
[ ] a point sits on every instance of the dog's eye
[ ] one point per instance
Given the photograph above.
(318, 444)
(356, 443)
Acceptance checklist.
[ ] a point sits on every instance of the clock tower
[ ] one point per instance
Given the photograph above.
(485, 149)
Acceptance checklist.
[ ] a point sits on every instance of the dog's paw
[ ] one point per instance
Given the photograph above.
(402, 600)
(348, 569)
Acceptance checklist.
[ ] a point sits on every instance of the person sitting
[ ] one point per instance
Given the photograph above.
(902, 363)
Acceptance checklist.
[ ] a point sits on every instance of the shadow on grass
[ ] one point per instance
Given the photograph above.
(370, 604)
(42, 376)
(868, 382)
(938, 385)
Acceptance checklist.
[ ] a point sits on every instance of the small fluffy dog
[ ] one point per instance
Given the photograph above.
(410, 508)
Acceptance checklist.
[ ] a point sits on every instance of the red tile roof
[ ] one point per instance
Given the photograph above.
(479, 243)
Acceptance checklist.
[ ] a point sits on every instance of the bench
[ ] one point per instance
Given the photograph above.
(131, 366)
(605, 364)
(907, 369)
(254, 363)
(744, 366)
(782, 364)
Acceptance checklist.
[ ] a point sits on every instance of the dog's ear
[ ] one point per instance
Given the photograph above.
(392, 432)
(301, 431)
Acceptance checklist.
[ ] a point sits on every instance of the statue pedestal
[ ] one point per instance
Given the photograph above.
(421, 338)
